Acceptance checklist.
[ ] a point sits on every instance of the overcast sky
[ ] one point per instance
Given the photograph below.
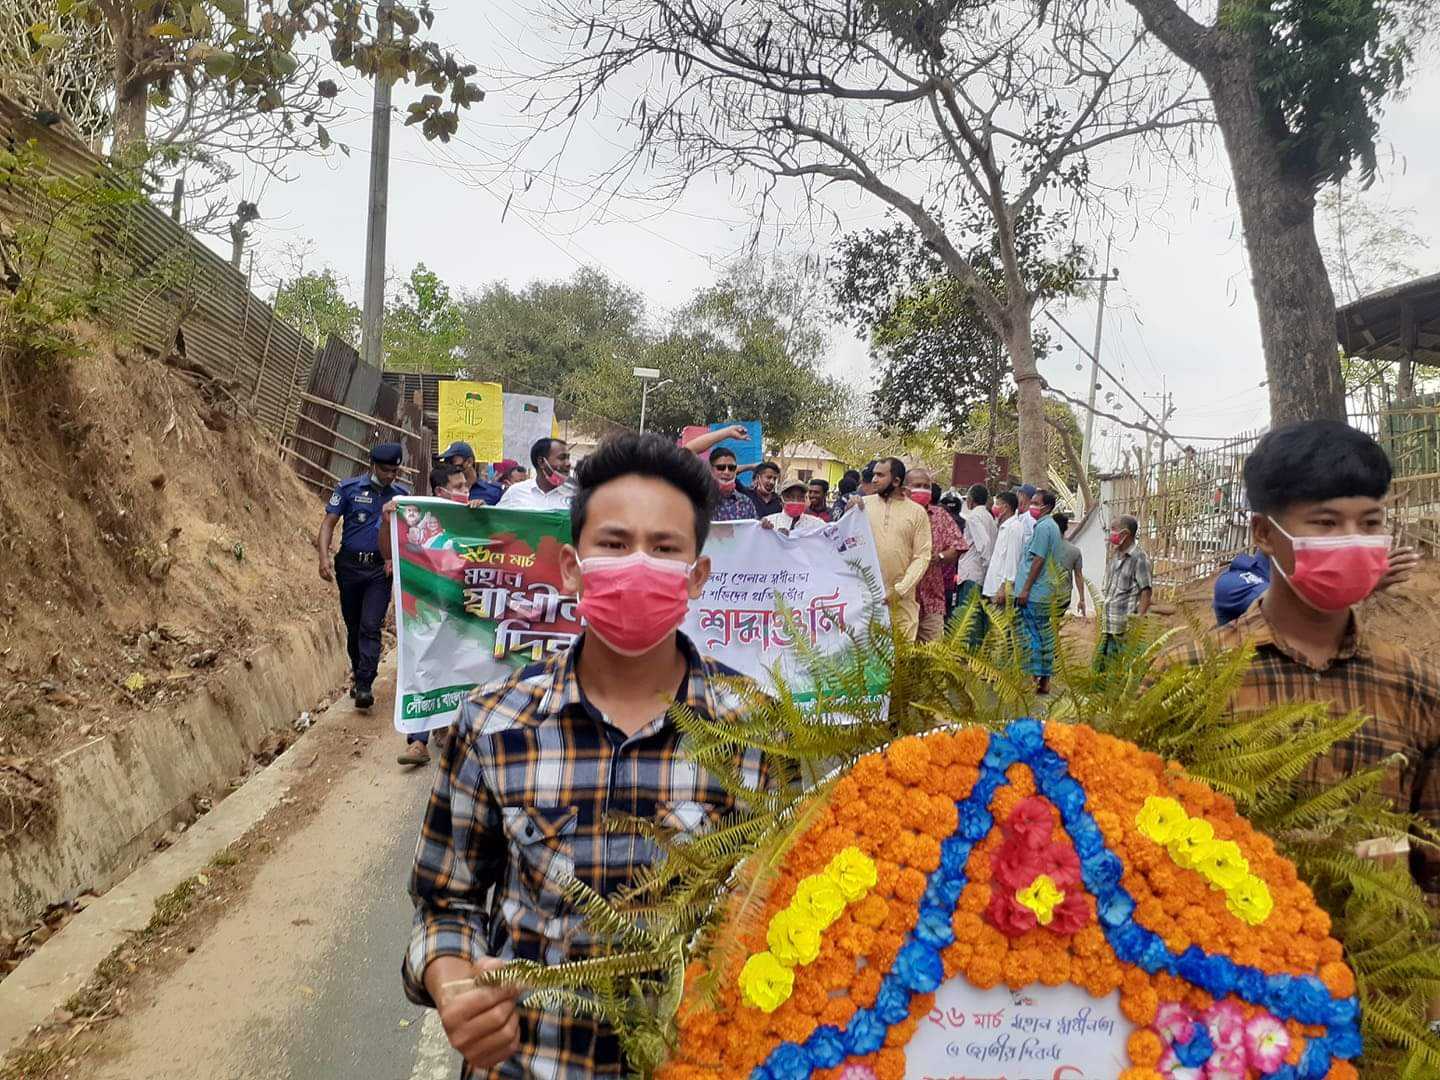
(1181, 319)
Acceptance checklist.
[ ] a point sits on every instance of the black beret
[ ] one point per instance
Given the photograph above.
(387, 453)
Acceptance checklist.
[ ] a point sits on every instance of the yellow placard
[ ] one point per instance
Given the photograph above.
(473, 412)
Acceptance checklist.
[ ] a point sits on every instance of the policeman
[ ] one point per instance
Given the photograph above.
(361, 573)
(481, 490)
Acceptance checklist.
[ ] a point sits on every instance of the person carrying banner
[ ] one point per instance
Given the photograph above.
(818, 495)
(902, 541)
(794, 518)
(550, 487)
(360, 572)
(539, 764)
(481, 490)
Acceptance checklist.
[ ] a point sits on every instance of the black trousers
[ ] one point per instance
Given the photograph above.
(364, 599)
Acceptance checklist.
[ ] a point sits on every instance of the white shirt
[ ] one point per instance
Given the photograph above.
(1009, 546)
(1028, 522)
(527, 495)
(980, 530)
(786, 524)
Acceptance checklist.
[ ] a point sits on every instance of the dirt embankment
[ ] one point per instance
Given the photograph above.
(149, 535)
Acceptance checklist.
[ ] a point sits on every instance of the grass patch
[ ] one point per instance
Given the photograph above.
(90, 997)
(171, 907)
(33, 1064)
(227, 857)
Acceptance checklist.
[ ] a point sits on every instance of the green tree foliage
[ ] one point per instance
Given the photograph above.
(938, 355)
(424, 325)
(1060, 424)
(316, 305)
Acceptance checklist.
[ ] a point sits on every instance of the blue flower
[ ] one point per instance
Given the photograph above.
(892, 1004)
(991, 781)
(1214, 974)
(1103, 871)
(1316, 1061)
(1345, 1042)
(789, 1062)
(1303, 998)
(1069, 798)
(975, 821)
(1129, 941)
(943, 891)
(1048, 766)
(1001, 753)
(1028, 736)
(864, 1034)
(1250, 983)
(934, 929)
(1198, 1050)
(1115, 908)
(919, 967)
(826, 1047)
(1157, 956)
(760, 1072)
(1088, 841)
(1285, 1072)
(1342, 1011)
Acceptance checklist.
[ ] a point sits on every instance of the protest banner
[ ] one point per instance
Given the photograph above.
(473, 412)
(527, 419)
(478, 594)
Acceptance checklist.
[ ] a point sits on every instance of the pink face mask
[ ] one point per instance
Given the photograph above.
(453, 495)
(1037, 512)
(727, 487)
(794, 509)
(1333, 572)
(921, 496)
(633, 602)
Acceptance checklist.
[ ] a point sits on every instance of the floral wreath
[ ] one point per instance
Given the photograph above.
(1047, 853)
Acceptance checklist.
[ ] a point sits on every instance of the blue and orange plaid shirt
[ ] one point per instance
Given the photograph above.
(519, 807)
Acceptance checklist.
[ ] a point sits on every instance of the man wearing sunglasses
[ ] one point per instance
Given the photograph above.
(734, 504)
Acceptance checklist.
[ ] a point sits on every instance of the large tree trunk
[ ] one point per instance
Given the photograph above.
(1034, 462)
(1292, 287)
(131, 91)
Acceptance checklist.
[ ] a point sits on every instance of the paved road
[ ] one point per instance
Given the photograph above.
(300, 978)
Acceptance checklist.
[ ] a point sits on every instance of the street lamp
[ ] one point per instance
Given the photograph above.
(647, 377)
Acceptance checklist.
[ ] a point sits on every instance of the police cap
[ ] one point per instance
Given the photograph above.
(387, 453)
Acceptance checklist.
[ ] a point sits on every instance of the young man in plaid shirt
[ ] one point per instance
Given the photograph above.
(1316, 490)
(538, 762)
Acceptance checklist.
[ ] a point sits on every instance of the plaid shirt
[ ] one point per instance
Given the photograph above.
(519, 806)
(1399, 693)
(1127, 575)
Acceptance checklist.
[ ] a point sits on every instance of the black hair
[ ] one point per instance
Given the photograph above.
(540, 451)
(1062, 522)
(979, 494)
(767, 465)
(1046, 498)
(867, 474)
(897, 468)
(1313, 461)
(629, 454)
(440, 475)
(1127, 524)
(935, 493)
(850, 482)
(1010, 499)
(723, 452)
(824, 485)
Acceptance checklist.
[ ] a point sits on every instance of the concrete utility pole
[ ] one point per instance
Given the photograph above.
(373, 318)
(1104, 279)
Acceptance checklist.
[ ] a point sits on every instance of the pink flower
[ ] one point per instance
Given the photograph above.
(1266, 1042)
(1071, 915)
(857, 1072)
(1031, 822)
(1008, 915)
(1171, 1068)
(1062, 864)
(1226, 1024)
(1173, 1023)
(1227, 1065)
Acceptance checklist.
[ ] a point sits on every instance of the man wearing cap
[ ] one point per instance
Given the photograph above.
(550, 488)
(510, 472)
(481, 490)
(360, 570)
(1028, 514)
(792, 517)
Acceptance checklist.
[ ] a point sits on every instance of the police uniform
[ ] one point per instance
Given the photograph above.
(359, 569)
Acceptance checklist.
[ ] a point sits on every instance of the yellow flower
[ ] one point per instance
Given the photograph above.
(1190, 841)
(792, 938)
(818, 900)
(1223, 864)
(1250, 900)
(1159, 819)
(765, 983)
(853, 872)
(1042, 897)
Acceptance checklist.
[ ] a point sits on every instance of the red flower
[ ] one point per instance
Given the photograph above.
(1016, 867)
(1030, 822)
(1008, 915)
(1071, 915)
(1062, 864)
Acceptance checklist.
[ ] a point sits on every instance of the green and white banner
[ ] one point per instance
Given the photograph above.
(478, 595)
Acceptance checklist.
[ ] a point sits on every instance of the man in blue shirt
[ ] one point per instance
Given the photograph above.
(1035, 595)
(481, 490)
(1240, 586)
(360, 571)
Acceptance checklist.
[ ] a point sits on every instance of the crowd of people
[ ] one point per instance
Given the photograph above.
(536, 766)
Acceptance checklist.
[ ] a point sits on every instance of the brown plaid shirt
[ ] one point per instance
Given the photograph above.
(1398, 692)
(519, 807)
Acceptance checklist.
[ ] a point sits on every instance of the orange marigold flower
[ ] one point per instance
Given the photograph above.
(868, 771)
(1342, 1070)
(1055, 968)
(924, 853)
(1139, 1005)
(959, 781)
(890, 1064)
(908, 760)
(1338, 979)
(1135, 1073)
(975, 898)
(1145, 1048)
(983, 970)
(872, 911)
(910, 885)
